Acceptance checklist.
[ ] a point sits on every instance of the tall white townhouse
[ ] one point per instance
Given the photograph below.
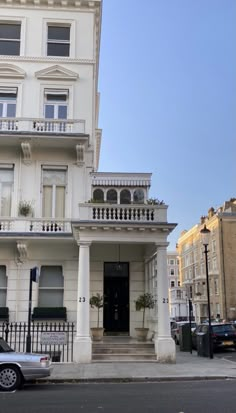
(88, 232)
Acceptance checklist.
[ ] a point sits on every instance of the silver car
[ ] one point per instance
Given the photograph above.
(17, 368)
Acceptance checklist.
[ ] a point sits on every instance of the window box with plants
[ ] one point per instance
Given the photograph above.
(49, 313)
(4, 314)
(97, 301)
(143, 302)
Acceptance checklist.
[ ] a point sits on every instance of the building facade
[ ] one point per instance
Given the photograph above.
(221, 263)
(87, 231)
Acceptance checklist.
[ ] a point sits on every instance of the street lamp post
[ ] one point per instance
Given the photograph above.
(34, 277)
(205, 234)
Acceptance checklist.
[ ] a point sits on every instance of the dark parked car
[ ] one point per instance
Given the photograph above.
(17, 368)
(223, 335)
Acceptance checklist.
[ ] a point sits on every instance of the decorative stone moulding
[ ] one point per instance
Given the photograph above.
(56, 72)
(22, 251)
(80, 154)
(11, 71)
(26, 149)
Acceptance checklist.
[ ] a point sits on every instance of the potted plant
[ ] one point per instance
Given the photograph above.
(143, 302)
(97, 302)
(25, 208)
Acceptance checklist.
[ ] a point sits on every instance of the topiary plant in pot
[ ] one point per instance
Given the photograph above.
(97, 301)
(143, 302)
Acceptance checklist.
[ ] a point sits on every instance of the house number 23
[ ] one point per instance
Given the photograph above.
(165, 300)
(81, 299)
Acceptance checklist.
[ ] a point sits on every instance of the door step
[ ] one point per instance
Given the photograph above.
(117, 352)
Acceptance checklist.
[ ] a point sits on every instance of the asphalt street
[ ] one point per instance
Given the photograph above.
(215, 396)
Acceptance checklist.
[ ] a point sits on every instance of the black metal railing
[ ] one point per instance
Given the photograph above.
(15, 335)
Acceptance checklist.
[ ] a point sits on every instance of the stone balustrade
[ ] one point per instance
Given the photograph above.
(42, 125)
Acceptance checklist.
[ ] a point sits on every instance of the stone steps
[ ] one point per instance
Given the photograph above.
(121, 351)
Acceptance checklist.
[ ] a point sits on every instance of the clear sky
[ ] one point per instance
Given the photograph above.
(168, 100)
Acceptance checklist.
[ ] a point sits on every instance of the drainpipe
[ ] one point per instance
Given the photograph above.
(223, 267)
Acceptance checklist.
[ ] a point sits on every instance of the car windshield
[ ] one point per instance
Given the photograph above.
(223, 328)
(4, 347)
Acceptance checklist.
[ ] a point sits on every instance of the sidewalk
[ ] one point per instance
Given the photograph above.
(188, 367)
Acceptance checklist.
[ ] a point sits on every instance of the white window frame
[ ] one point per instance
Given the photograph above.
(56, 168)
(66, 88)
(58, 22)
(56, 103)
(22, 22)
(46, 288)
(5, 102)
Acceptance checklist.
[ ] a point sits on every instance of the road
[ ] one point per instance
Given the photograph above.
(173, 397)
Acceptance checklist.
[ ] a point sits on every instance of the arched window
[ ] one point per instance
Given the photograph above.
(112, 196)
(51, 286)
(125, 196)
(3, 286)
(138, 196)
(98, 195)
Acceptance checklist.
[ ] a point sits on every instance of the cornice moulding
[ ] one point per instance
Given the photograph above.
(45, 59)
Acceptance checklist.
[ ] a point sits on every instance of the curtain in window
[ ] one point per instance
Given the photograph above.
(6, 186)
(47, 201)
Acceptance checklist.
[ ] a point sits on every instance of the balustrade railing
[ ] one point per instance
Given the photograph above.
(35, 225)
(42, 125)
(121, 213)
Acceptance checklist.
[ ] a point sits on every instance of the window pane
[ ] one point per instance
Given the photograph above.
(47, 201)
(98, 195)
(138, 196)
(51, 298)
(1, 110)
(58, 49)
(62, 112)
(11, 110)
(51, 276)
(49, 111)
(125, 197)
(58, 33)
(6, 200)
(9, 31)
(60, 202)
(54, 177)
(112, 195)
(3, 277)
(3, 297)
(56, 98)
(9, 48)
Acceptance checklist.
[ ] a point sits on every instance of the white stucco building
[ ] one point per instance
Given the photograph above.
(178, 300)
(87, 231)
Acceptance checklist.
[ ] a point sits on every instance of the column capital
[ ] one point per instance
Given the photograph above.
(162, 246)
(84, 243)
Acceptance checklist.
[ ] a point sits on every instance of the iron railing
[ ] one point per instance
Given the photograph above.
(15, 335)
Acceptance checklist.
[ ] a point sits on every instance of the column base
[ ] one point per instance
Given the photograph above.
(82, 349)
(165, 349)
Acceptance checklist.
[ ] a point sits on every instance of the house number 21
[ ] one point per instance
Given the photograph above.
(165, 300)
(81, 299)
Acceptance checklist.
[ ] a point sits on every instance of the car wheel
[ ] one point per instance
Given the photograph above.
(10, 378)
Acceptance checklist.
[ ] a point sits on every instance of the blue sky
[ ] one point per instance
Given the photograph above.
(168, 100)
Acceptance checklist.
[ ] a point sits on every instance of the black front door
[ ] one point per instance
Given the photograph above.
(116, 302)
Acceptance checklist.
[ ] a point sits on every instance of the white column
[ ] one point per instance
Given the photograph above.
(164, 344)
(83, 343)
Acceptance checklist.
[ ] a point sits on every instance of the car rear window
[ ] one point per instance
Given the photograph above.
(4, 347)
(223, 328)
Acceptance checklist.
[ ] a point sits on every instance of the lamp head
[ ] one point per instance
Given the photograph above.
(205, 235)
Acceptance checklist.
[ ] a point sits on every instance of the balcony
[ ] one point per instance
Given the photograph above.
(34, 225)
(134, 213)
(41, 126)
